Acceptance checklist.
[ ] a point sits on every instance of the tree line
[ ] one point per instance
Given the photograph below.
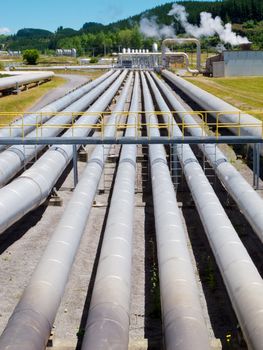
(97, 39)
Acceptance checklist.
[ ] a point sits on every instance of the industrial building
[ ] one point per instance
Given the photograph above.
(235, 64)
(144, 59)
(66, 52)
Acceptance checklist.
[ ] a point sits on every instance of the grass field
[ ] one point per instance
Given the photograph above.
(26, 99)
(245, 93)
(93, 74)
(49, 60)
(204, 57)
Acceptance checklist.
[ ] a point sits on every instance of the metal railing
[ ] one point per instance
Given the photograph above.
(202, 122)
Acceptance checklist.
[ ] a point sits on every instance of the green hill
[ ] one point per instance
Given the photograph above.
(245, 15)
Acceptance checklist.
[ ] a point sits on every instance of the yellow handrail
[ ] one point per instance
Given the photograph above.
(120, 122)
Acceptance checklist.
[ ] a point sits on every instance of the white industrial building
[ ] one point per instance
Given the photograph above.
(66, 52)
(236, 64)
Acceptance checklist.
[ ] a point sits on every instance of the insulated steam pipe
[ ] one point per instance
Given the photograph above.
(242, 280)
(16, 157)
(31, 322)
(183, 321)
(32, 188)
(209, 102)
(156, 55)
(184, 55)
(24, 79)
(109, 313)
(168, 41)
(27, 123)
(248, 200)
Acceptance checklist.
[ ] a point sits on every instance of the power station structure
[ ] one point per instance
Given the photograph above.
(139, 58)
(143, 59)
(243, 62)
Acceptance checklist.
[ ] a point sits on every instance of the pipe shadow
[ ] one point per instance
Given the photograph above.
(31, 219)
(221, 313)
(246, 233)
(152, 302)
(20, 228)
(85, 311)
(152, 306)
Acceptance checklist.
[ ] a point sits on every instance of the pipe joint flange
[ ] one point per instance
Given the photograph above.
(220, 161)
(128, 160)
(158, 160)
(190, 160)
(30, 178)
(19, 153)
(60, 150)
(97, 161)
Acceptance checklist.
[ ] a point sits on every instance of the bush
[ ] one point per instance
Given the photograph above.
(94, 60)
(31, 56)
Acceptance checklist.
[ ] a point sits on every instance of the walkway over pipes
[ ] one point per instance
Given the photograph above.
(166, 124)
(205, 125)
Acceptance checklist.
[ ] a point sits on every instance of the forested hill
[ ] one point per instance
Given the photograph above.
(245, 15)
(235, 11)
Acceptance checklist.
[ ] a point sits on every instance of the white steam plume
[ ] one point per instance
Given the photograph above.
(151, 29)
(4, 30)
(208, 26)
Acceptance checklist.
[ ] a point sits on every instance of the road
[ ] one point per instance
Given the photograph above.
(73, 81)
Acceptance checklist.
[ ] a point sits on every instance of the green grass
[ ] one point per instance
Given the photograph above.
(93, 74)
(49, 60)
(26, 99)
(245, 93)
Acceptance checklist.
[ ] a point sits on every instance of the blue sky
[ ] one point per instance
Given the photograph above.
(49, 14)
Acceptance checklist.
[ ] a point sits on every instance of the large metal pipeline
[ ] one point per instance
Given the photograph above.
(24, 125)
(24, 79)
(67, 67)
(185, 56)
(16, 157)
(248, 200)
(32, 188)
(183, 321)
(31, 322)
(155, 56)
(209, 102)
(172, 41)
(242, 280)
(109, 313)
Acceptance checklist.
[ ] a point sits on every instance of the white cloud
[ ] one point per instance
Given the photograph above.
(5, 30)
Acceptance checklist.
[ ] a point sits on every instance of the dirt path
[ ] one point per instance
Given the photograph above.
(73, 81)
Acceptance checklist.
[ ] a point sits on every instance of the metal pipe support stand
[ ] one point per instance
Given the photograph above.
(75, 165)
(256, 165)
